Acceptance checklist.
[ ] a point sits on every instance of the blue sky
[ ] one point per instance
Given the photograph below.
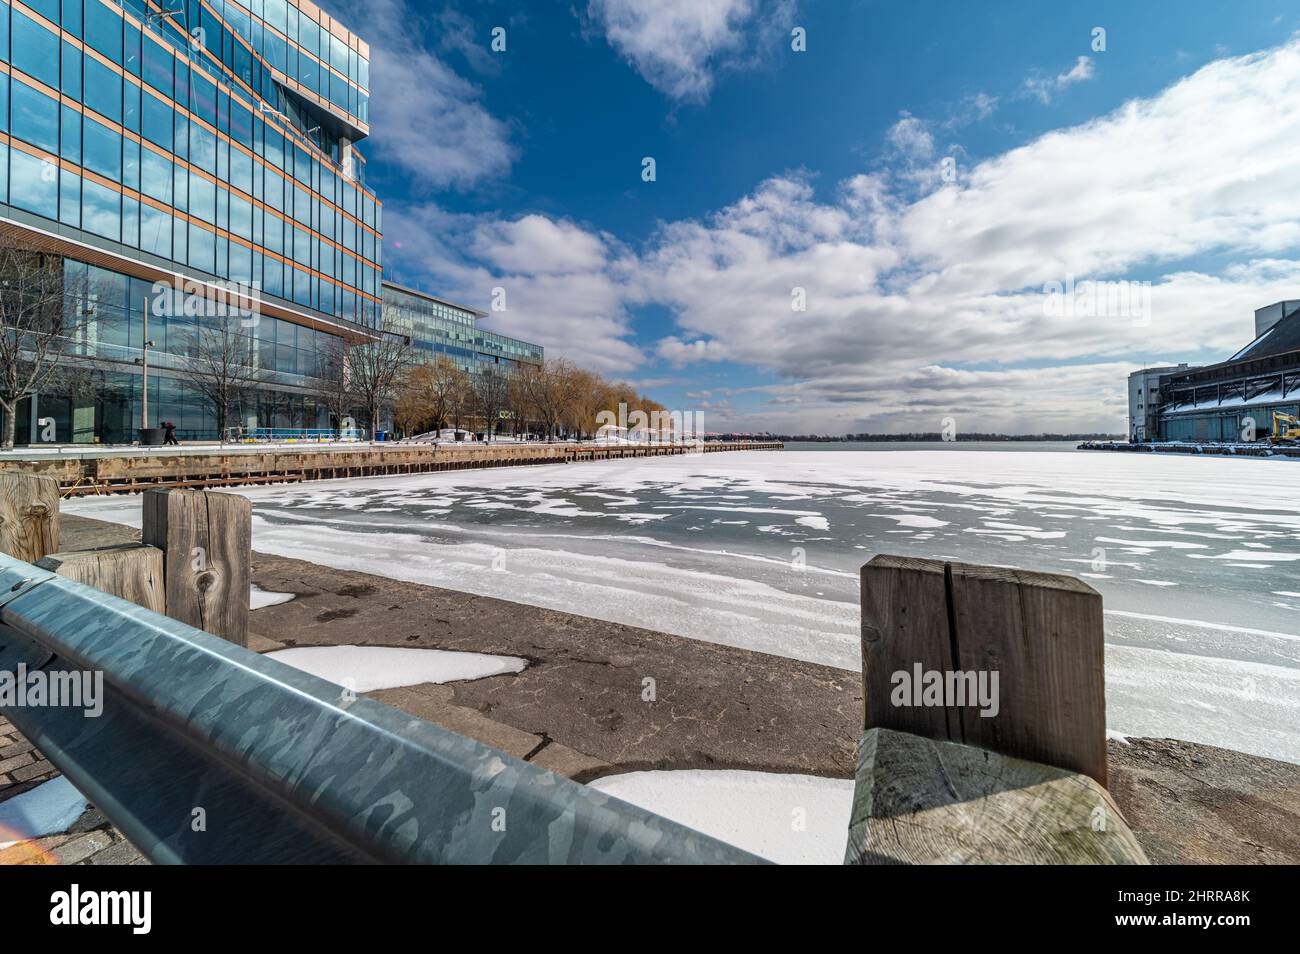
(922, 172)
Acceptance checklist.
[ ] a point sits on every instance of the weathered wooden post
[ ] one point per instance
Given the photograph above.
(206, 539)
(29, 516)
(985, 727)
(1040, 633)
(132, 571)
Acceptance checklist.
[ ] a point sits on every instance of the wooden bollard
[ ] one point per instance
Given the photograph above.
(1039, 634)
(29, 516)
(206, 539)
(132, 571)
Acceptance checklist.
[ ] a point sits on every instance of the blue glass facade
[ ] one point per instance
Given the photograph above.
(439, 327)
(209, 142)
(218, 139)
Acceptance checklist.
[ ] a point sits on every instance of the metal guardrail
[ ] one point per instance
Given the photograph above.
(206, 752)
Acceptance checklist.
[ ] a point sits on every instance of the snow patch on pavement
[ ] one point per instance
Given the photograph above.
(369, 668)
(258, 597)
(47, 809)
(761, 812)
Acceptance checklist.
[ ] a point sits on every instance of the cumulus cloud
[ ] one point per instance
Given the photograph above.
(566, 288)
(429, 121)
(930, 304)
(678, 45)
(925, 299)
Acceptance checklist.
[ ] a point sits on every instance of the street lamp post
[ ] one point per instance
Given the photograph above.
(146, 344)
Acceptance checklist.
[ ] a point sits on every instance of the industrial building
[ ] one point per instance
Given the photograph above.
(1231, 401)
(1144, 402)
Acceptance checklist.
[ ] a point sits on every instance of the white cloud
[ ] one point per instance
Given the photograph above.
(566, 288)
(427, 119)
(678, 45)
(922, 306)
(535, 243)
(935, 304)
(1043, 88)
(911, 139)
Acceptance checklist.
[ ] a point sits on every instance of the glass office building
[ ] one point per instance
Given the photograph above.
(210, 142)
(439, 327)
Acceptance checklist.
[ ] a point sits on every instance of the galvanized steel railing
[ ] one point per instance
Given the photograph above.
(206, 752)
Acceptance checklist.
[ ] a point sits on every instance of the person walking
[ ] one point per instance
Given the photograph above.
(169, 435)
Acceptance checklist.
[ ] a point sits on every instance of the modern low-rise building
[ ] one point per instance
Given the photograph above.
(440, 327)
(1234, 400)
(203, 145)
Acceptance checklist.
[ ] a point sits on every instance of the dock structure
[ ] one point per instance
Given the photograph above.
(134, 469)
(1257, 449)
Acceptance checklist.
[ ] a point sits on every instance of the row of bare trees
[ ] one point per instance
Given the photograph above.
(548, 400)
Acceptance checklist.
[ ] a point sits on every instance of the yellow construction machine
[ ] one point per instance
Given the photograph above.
(1286, 427)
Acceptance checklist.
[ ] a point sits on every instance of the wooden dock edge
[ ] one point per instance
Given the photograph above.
(93, 473)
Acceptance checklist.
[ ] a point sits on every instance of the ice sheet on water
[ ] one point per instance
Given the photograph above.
(772, 586)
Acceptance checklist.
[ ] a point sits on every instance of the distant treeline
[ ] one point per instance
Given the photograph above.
(936, 436)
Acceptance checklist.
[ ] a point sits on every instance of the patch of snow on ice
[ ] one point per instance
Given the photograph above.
(915, 520)
(813, 523)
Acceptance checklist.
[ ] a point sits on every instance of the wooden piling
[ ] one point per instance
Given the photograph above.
(1041, 634)
(29, 515)
(132, 571)
(206, 539)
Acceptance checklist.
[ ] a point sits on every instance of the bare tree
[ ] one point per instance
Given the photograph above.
(373, 369)
(426, 393)
(549, 389)
(333, 386)
(492, 395)
(222, 367)
(38, 332)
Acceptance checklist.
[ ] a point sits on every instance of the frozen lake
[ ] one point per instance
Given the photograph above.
(1198, 559)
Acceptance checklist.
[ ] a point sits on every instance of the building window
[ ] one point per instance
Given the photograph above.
(103, 90)
(103, 150)
(158, 67)
(35, 117)
(33, 188)
(104, 30)
(156, 229)
(158, 122)
(101, 210)
(35, 49)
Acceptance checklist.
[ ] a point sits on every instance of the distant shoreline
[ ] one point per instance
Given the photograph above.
(936, 438)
